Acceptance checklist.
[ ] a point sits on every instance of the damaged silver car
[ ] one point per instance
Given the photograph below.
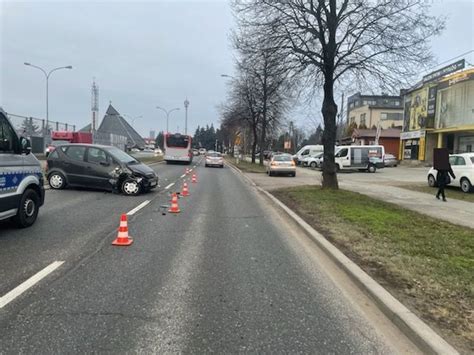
(100, 167)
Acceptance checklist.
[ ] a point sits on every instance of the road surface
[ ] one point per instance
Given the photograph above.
(228, 274)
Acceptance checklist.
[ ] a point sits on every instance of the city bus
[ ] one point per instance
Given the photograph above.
(178, 148)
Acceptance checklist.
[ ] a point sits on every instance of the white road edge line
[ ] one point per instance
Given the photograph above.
(182, 176)
(167, 187)
(138, 208)
(17, 291)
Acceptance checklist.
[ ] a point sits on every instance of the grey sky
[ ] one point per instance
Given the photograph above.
(143, 54)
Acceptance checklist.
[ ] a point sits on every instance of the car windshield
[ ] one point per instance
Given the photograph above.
(121, 156)
(282, 158)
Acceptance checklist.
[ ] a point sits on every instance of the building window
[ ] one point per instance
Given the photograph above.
(362, 121)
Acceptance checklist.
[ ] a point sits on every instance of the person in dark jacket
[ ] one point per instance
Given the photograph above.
(442, 178)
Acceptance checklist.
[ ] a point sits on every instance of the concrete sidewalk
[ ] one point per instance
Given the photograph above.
(378, 186)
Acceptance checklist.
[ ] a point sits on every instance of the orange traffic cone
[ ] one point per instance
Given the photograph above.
(185, 191)
(187, 171)
(123, 239)
(194, 179)
(174, 205)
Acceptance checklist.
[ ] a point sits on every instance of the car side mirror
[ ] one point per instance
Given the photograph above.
(25, 145)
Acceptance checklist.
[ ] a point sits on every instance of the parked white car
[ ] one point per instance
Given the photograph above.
(313, 161)
(463, 168)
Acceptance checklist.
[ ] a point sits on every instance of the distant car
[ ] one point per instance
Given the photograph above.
(202, 151)
(101, 167)
(281, 164)
(313, 161)
(214, 159)
(390, 160)
(135, 150)
(158, 151)
(463, 168)
(52, 146)
(195, 152)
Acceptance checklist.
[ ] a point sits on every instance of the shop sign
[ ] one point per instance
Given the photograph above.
(432, 101)
(444, 71)
(412, 135)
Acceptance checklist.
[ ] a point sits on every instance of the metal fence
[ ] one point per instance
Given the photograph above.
(36, 127)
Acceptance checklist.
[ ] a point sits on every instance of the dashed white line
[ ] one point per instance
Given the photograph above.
(17, 291)
(182, 176)
(170, 185)
(138, 208)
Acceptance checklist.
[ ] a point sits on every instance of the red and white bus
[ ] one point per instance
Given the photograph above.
(178, 148)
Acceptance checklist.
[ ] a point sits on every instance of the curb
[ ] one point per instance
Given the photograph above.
(409, 324)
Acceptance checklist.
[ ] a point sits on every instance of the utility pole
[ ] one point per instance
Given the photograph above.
(186, 105)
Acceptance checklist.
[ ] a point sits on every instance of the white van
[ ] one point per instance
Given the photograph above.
(360, 157)
(306, 151)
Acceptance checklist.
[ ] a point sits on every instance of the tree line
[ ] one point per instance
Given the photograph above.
(288, 47)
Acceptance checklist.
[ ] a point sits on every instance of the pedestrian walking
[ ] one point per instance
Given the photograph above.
(443, 178)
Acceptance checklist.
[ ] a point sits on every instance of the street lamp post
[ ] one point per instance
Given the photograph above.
(132, 118)
(47, 75)
(186, 105)
(167, 115)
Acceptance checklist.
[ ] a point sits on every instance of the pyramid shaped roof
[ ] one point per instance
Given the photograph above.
(116, 124)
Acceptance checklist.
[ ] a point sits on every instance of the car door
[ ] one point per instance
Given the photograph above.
(342, 158)
(459, 170)
(73, 164)
(98, 168)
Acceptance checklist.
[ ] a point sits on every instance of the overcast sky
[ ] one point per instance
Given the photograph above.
(142, 54)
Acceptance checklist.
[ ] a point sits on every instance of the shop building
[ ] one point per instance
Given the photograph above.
(439, 113)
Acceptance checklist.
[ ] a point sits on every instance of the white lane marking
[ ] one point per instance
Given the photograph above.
(167, 187)
(182, 176)
(17, 291)
(138, 208)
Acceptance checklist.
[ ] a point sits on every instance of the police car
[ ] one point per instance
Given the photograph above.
(21, 178)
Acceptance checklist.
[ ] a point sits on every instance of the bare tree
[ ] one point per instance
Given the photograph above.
(383, 42)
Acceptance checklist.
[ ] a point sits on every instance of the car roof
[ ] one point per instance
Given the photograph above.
(469, 155)
(89, 145)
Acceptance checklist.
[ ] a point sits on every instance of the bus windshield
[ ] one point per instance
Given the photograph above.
(177, 141)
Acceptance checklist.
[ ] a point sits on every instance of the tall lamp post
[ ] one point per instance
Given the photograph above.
(167, 115)
(132, 118)
(186, 105)
(47, 75)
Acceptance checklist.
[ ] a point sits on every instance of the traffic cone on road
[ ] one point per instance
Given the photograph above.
(185, 191)
(194, 179)
(174, 205)
(123, 239)
(187, 171)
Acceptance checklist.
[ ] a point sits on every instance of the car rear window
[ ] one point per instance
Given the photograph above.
(214, 155)
(282, 158)
(177, 141)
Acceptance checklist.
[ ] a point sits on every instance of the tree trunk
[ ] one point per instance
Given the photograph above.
(254, 142)
(262, 139)
(329, 111)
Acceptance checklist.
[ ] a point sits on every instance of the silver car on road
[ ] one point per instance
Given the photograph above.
(281, 164)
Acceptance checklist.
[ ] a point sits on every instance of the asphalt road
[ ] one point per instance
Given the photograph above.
(224, 275)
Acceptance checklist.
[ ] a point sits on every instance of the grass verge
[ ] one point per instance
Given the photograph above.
(450, 191)
(246, 166)
(427, 264)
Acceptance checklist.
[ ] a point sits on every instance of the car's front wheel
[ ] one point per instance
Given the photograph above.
(371, 168)
(313, 165)
(28, 209)
(466, 185)
(130, 187)
(57, 181)
(431, 181)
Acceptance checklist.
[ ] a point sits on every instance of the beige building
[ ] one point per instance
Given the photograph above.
(367, 111)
